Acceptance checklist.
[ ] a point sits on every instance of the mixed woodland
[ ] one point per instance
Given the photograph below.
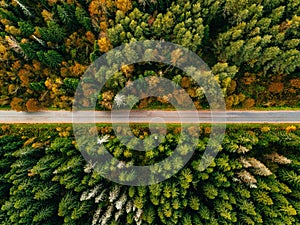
(252, 47)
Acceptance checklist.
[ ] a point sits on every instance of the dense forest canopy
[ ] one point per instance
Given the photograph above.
(252, 47)
(255, 179)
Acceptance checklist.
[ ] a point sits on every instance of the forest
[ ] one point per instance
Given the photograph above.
(255, 179)
(251, 46)
(252, 50)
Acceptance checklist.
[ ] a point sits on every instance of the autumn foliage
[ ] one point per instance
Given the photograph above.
(251, 47)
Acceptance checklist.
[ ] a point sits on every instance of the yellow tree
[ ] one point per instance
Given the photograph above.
(104, 44)
(123, 5)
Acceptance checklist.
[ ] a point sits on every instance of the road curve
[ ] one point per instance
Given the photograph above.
(48, 117)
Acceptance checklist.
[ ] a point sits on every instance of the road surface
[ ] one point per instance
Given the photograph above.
(45, 117)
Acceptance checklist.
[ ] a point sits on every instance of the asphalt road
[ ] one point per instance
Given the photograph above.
(8, 117)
